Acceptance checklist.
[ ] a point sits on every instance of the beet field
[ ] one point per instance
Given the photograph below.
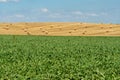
(59, 58)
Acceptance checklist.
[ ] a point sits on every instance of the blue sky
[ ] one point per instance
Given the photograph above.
(99, 11)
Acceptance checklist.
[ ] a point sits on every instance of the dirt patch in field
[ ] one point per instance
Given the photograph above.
(60, 29)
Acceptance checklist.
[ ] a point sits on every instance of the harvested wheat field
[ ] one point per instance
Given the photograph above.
(60, 29)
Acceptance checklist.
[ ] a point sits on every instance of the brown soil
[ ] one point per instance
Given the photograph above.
(60, 29)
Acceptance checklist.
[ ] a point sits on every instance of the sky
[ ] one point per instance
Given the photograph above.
(95, 11)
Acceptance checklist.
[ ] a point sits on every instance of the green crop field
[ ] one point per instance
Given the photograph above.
(59, 58)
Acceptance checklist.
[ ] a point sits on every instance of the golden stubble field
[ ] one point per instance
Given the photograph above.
(60, 29)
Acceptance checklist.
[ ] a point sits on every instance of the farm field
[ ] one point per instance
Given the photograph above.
(59, 58)
(60, 29)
